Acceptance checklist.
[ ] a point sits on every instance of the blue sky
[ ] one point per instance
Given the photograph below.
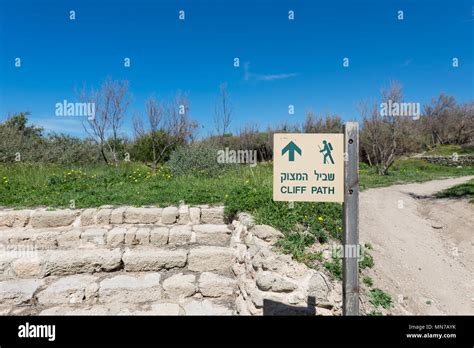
(295, 62)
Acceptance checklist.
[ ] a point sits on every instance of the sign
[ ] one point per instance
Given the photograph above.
(308, 167)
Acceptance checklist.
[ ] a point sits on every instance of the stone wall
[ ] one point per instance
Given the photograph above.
(460, 160)
(155, 261)
(271, 283)
(105, 215)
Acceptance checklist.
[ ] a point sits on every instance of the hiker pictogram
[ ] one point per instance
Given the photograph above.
(327, 148)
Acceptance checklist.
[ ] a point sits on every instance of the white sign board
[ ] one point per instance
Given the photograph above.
(308, 167)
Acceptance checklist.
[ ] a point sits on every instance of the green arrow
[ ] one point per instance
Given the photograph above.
(291, 148)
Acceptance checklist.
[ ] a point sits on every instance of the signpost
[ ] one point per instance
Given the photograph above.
(324, 168)
(308, 167)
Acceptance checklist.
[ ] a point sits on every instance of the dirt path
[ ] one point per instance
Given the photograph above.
(423, 247)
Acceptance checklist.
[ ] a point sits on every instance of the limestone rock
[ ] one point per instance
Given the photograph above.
(103, 216)
(169, 215)
(205, 307)
(159, 236)
(213, 215)
(208, 234)
(66, 262)
(117, 215)
(269, 281)
(116, 237)
(266, 233)
(210, 258)
(180, 235)
(153, 259)
(142, 215)
(18, 290)
(184, 217)
(56, 218)
(69, 289)
(214, 285)
(180, 285)
(27, 267)
(195, 215)
(129, 288)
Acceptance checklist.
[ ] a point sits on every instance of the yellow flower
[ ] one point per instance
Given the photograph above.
(320, 218)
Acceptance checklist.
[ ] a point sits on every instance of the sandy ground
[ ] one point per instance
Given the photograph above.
(423, 247)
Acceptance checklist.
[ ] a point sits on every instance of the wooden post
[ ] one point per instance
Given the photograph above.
(350, 237)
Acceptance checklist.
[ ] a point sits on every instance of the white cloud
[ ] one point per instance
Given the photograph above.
(248, 76)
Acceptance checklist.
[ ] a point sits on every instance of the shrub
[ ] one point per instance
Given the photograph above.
(319, 233)
(64, 149)
(295, 244)
(334, 267)
(367, 260)
(380, 298)
(198, 159)
(247, 198)
(368, 281)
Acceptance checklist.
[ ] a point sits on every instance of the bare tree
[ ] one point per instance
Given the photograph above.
(318, 124)
(111, 102)
(168, 126)
(447, 122)
(223, 112)
(383, 137)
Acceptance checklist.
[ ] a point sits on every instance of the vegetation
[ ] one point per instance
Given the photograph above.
(458, 191)
(334, 266)
(198, 159)
(378, 298)
(368, 281)
(164, 164)
(449, 150)
(409, 170)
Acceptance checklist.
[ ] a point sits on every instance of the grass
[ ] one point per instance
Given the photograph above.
(448, 150)
(459, 191)
(368, 281)
(334, 266)
(240, 189)
(378, 298)
(408, 171)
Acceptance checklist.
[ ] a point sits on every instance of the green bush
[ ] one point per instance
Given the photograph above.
(141, 148)
(380, 298)
(334, 267)
(247, 198)
(64, 149)
(319, 233)
(198, 159)
(367, 260)
(368, 281)
(295, 243)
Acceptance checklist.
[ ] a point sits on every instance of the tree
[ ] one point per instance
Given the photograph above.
(20, 123)
(330, 124)
(20, 140)
(111, 102)
(446, 122)
(385, 137)
(168, 126)
(223, 112)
